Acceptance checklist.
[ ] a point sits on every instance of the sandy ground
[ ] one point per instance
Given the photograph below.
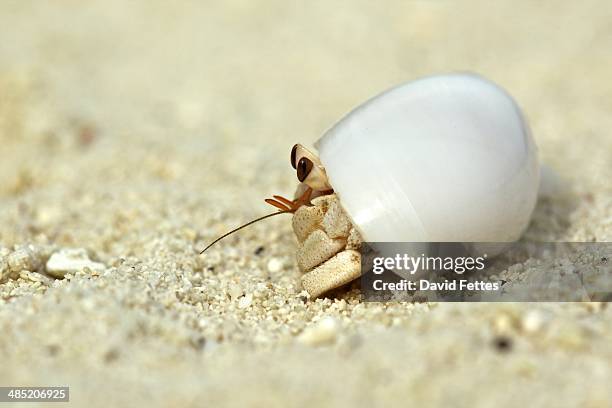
(140, 131)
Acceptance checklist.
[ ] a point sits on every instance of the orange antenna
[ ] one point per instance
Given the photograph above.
(241, 227)
(285, 206)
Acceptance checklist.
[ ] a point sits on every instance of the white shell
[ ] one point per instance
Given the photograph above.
(446, 158)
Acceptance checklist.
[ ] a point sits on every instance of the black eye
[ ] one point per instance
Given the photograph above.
(293, 153)
(304, 168)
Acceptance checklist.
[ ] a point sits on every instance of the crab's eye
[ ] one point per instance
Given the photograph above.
(293, 154)
(304, 168)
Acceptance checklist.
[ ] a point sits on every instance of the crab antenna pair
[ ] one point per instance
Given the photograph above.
(284, 206)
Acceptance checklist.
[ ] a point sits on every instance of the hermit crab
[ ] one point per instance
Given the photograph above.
(445, 158)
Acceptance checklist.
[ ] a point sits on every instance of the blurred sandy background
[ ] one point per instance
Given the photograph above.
(140, 130)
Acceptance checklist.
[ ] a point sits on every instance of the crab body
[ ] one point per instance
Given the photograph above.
(328, 245)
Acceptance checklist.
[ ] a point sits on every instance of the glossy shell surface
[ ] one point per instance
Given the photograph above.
(447, 158)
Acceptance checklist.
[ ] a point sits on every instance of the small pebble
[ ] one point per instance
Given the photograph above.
(4, 269)
(503, 323)
(503, 344)
(35, 277)
(23, 259)
(259, 250)
(245, 301)
(71, 261)
(533, 321)
(235, 291)
(275, 265)
(323, 332)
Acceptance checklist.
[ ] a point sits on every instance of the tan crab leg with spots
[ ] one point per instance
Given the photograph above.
(337, 271)
(328, 246)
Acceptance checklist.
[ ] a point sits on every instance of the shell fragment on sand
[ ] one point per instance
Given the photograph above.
(71, 261)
